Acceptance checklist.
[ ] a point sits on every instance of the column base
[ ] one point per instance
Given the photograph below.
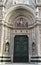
(5, 59)
(36, 59)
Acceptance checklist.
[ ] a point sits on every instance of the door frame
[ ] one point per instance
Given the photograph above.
(28, 46)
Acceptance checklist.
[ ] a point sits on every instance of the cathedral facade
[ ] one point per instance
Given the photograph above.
(20, 31)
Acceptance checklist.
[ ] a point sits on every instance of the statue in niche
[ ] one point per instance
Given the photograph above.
(33, 48)
(7, 47)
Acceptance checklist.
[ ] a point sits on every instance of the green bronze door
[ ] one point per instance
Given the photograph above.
(21, 53)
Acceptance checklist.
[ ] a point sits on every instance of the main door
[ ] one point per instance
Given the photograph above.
(21, 53)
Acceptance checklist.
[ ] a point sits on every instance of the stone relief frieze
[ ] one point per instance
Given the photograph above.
(21, 23)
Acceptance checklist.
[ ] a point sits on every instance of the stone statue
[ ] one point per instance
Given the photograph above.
(7, 47)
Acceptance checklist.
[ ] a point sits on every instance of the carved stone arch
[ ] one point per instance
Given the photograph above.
(20, 6)
(14, 11)
(13, 19)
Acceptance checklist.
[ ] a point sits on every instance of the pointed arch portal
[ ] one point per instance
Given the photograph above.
(19, 18)
(21, 53)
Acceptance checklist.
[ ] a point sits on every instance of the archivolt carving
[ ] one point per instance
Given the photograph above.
(16, 12)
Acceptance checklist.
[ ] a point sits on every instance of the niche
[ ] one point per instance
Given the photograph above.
(7, 47)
